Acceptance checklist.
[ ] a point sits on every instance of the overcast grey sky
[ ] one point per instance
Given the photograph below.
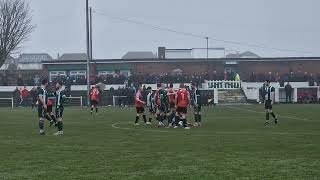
(287, 24)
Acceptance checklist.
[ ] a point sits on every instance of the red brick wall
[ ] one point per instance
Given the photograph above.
(244, 68)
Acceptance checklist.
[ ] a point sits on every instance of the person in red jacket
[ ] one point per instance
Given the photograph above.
(24, 96)
(94, 99)
(182, 102)
(140, 104)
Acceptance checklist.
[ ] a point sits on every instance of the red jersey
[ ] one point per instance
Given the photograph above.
(49, 103)
(94, 95)
(171, 95)
(183, 98)
(138, 100)
(24, 93)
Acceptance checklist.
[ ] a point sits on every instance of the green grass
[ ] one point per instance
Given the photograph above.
(232, 144)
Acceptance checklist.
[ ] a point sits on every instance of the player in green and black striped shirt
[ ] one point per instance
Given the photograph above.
(59, 108)
(42, 105)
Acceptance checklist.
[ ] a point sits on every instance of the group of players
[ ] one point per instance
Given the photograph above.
(167, 104)
(45, 106)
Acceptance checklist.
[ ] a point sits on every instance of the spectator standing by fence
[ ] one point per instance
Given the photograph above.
(16, 97)
(288, 90)
(34, 96)
(24, 96)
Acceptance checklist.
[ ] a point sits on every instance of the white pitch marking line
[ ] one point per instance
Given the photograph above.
(116, 126)
(253, 111)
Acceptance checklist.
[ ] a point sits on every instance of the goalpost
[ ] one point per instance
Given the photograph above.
(117, 98)
(74, 101)
(7, 102)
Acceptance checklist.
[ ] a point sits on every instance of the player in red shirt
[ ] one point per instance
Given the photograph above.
(182, 102)
(140, 104)
(94, 98)
(49, 114)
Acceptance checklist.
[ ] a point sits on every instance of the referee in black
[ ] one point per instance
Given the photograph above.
(269, 98)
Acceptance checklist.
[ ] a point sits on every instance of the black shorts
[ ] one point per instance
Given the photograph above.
(163, 108)
(172, 105)
(140, 110)
(94, 103)
(268, 104)
(182, 110)
(59, 112)
(197, 108)
(49, 109)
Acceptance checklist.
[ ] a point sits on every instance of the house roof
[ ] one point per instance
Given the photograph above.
(246, 54)
(139, 55)
(73, 56)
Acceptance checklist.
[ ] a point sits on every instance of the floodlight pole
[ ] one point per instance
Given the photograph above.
(88, 52)
(207, 39)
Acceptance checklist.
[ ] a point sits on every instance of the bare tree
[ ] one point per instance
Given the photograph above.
(15, 26)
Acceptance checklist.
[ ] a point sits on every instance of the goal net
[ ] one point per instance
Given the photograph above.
(120, 101)
(6, 102)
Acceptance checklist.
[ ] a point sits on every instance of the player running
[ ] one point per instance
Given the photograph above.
(59, 109)
(172, 97)
(163, 104)
(140, 104)
(182, 102)
(94, 99)
(42, 107)
(151, 104)
(269, 98)
(196, 98)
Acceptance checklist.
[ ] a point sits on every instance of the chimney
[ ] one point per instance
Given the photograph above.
(162, 52)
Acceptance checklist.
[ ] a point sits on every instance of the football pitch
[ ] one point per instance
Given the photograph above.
(232, 144)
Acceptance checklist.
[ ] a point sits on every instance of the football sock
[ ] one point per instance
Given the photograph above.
(41, 124)
(144, 118)
(137, 119)
(267, 116)
(150, 119)
(184, 122)
(47, 117)
(91, 110)
(53, 118)
(97, 110)
(273, 115)
(60, 126)
(199, 117)
(177, 119)
(196, 118)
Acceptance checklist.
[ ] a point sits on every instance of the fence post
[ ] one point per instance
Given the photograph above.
(12, 103)
(81, 102)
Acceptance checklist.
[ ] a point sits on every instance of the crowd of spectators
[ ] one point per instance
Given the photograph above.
(288, 77)
(33, 79)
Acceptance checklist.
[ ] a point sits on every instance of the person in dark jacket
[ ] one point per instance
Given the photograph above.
(16, 97)
(288, 89)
